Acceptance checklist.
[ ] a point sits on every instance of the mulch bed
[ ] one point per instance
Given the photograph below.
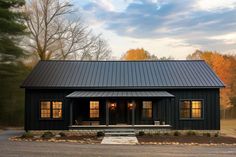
(148, 139)
(84, 139)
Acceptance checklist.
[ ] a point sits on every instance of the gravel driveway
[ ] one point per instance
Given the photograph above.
(29, 149)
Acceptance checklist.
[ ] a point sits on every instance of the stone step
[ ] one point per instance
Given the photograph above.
(119, 140)
(119, 132)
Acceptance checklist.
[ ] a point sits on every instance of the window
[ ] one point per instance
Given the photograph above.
(45, 109)
(185, 109)
(147, 109)
(94, 109)
(56, 109)
(50, 109)
(196, 109)
(191, 109)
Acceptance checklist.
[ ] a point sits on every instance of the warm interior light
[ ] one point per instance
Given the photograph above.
(130, 106)
(113, 106)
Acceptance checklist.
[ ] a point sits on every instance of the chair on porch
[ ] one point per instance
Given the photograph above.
(78, 121)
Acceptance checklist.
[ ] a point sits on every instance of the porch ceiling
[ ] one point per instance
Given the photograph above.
(89, 94)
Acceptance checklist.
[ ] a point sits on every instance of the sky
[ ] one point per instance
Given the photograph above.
(163, 27)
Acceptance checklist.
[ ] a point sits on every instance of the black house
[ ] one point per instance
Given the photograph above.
(62, 95)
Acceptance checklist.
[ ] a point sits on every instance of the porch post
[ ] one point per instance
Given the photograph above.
(71, 113)
(133, 111)
(107, 113)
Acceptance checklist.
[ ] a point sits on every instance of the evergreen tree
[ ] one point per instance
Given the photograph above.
(11, 27)
(12, 71)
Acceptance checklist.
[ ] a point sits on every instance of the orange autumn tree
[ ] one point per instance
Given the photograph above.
(223, 65)
(138, 54)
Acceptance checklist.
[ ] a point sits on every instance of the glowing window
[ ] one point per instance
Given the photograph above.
(45, 107)
(196, 109)
(185, 109)
(147, 109)
(56, 109)
(191, 109)
(94, 109)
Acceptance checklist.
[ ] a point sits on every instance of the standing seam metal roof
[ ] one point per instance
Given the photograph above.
(81, 94)
(123, 74)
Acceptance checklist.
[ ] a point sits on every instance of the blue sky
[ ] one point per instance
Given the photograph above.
(163, 27)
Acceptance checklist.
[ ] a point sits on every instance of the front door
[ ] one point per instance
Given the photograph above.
(118, 113)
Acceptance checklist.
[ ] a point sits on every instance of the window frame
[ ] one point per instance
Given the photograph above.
(95, 118)
(191, 118)
(56, 109)
(40, 110)
(147, 118)
(51, 109)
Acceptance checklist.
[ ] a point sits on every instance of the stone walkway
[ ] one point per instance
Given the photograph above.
(120, 140)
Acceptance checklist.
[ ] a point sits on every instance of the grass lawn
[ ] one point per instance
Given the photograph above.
(197, 139)
(228, 127)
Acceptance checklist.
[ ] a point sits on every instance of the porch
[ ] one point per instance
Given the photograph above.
(97, 110)
(103, 127)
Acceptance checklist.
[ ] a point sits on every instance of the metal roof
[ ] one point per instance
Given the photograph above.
(123, 74)
(89, 94)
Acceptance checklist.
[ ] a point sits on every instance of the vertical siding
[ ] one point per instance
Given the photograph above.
(164, 109)
(211, 119)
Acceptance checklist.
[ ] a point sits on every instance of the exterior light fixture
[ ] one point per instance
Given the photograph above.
(130, 106)
(112, 106)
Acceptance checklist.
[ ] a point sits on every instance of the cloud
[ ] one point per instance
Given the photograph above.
(196, 23)
(215, 5)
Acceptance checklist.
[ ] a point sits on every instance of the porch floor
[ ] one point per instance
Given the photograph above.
(94, 127)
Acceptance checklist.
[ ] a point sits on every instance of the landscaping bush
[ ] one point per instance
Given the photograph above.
(141, 133)
(216, 135)
(157, 134)
(191, 133)
(62, 134)
(47, 135)
(207, 134)
(177, 133)
(100, 134)
(166, 134)
(27, 135)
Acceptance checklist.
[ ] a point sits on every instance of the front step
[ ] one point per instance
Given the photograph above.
(119, 132)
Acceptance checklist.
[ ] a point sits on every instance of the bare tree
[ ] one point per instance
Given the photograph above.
(102, 50)
(43, 18)
(54, 35)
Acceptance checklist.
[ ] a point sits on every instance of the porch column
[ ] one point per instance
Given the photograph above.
(107, 113)
(71, 113)
(133, 112)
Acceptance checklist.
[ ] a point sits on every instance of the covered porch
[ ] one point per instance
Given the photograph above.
(120, 109)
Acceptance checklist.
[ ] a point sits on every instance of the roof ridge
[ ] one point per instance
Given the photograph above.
(121, 60)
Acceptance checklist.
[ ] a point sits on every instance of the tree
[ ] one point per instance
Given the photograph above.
(12, 71)
(55, 34)
(224, 66)
(138, 54)
(102, 50)
(11, 28)
(167, 58)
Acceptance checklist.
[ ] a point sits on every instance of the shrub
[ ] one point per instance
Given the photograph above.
(166, 134)
(216, 135)
(141, 133)
(100, 134)
(47, 135)
(177, 133)
(207, 134)
(27, 135)
(62, 134)
(157, 134)
(191, 133)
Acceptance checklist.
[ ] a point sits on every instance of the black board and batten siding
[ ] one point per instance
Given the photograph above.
(164, 109)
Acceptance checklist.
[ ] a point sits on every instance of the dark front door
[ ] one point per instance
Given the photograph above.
(118, 114)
